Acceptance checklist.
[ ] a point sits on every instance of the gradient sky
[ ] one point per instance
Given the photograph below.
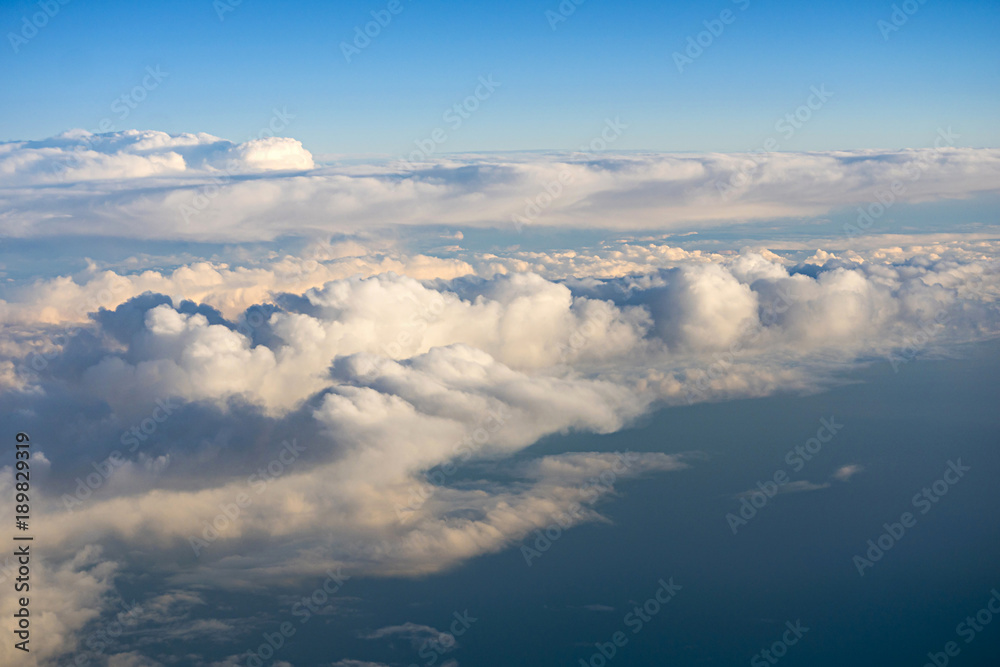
(557, 86)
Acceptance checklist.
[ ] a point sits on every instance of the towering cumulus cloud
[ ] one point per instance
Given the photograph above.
(260, 418)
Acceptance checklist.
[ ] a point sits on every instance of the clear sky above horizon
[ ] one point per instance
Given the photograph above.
(557, 85)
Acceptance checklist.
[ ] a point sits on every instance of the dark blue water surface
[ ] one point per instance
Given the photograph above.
(792, 562)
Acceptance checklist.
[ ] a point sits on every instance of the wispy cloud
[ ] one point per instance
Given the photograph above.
(845, 473)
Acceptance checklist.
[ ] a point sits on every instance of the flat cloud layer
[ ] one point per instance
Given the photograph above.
(78, 156)
(260, 422)
(196, 186)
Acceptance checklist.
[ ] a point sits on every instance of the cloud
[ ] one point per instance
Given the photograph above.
(231, 290)
(131, 659)
(701, 307)
(421, 637)
(800, 486)
(845, 473)
(65, 599)
(789, 487)
(195, 186)
(413, 632)
(240, 661)
(387, 383)
(79, 156)
(339, 391)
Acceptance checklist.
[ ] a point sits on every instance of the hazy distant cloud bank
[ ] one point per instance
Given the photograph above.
(196, 186)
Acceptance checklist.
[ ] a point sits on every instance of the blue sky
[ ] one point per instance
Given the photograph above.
(557, 85)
